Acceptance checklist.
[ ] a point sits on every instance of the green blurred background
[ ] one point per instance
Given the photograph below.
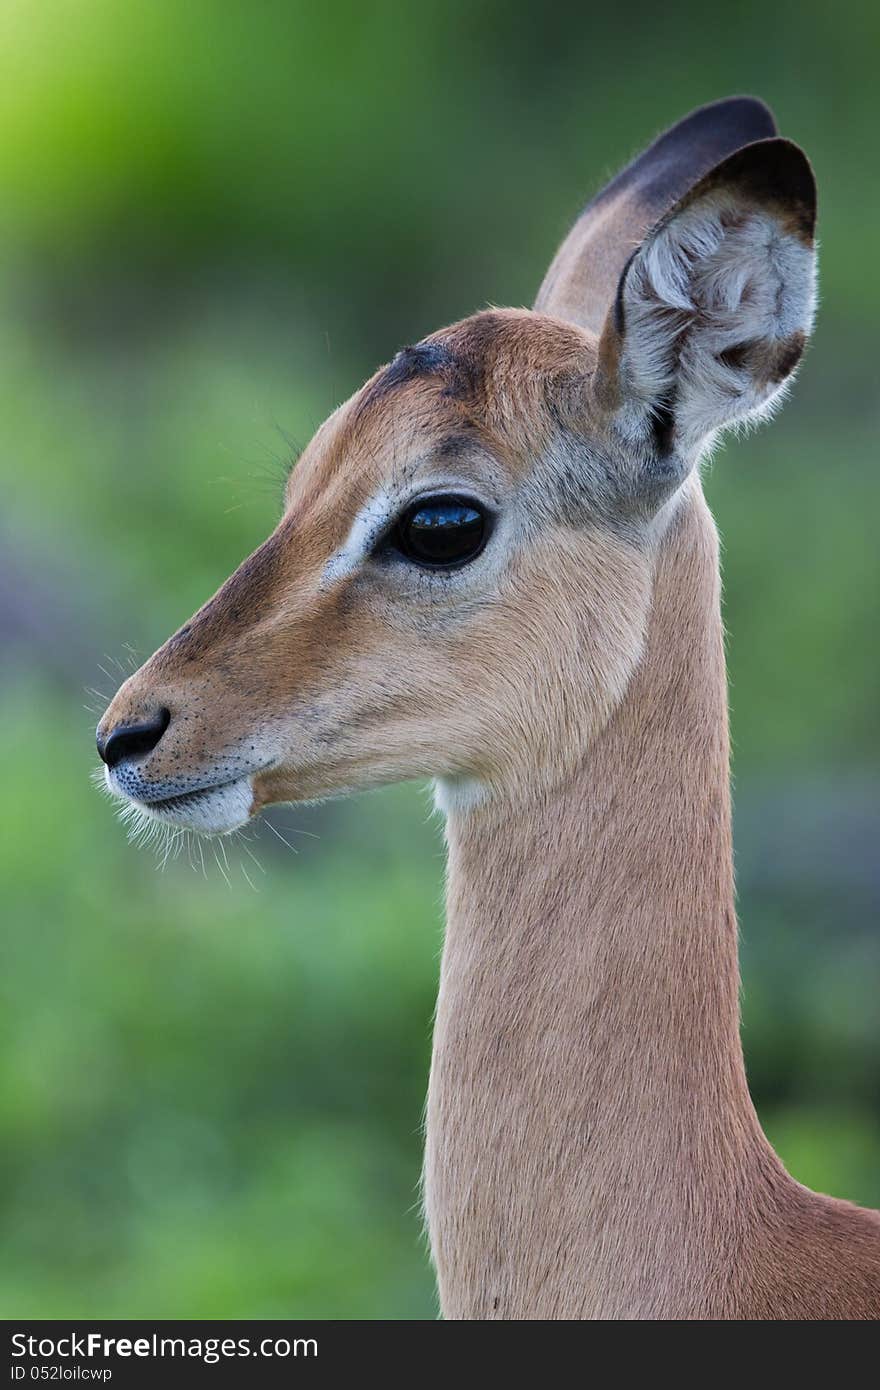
(215, 220)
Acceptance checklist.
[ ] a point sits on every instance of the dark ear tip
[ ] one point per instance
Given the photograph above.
(787, 175)
(752, 111)
(777, 171)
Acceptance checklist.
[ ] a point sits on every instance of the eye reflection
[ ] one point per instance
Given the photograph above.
(441, 532)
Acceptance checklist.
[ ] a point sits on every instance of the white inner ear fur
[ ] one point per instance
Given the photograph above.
(717, 277)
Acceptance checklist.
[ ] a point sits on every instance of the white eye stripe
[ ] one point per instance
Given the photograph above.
(366, 529)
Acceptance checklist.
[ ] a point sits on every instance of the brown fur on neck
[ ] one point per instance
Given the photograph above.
(592, 1148)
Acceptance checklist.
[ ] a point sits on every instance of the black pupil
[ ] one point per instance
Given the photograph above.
(442, 531)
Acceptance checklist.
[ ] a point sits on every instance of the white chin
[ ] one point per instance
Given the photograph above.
(214, 811)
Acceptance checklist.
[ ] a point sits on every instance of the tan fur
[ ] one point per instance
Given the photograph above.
(592, 1150)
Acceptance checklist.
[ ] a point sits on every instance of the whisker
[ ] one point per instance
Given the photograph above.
(278, 835)
(248, 878)
(249, 852)
(219, 865)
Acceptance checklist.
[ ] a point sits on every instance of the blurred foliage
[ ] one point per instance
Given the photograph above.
(215, 220)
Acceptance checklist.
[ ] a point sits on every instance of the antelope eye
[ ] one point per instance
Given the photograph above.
(440, 532)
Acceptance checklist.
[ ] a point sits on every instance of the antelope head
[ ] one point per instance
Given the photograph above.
(459, 585)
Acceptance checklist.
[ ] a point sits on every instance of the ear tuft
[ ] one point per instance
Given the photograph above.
(714, 309)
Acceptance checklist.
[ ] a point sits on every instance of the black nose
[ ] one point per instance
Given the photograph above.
(132, 740)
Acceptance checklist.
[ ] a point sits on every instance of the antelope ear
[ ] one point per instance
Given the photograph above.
(713, 310)
(581, 283)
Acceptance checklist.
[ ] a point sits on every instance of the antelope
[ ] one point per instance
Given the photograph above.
(496, 569)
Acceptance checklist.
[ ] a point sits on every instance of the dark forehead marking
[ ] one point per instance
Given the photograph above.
(425, 359)
(417, 363)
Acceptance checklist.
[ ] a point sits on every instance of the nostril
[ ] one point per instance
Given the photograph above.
(133, 740)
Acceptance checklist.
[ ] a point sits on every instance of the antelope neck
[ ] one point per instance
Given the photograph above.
(589, 1119)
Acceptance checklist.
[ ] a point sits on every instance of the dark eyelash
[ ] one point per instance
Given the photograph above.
(286, 470)
(292, 462)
